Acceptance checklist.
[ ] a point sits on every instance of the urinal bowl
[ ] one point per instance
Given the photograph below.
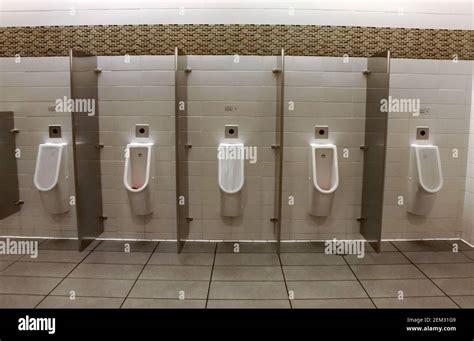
(136, 179)
(323, 179)
(425, 179)
(50, 178)
(231, 179)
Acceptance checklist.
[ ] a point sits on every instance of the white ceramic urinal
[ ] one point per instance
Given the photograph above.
(231, 178)
(50, 177)
(136, 177)
(323, 178)
(425, 178)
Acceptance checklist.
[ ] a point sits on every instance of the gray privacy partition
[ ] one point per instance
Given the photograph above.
(86, 148)
(181, 149)
(10, 197)
(278, 146)
(375, 148)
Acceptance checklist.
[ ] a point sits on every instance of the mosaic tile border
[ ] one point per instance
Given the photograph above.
(304, 40)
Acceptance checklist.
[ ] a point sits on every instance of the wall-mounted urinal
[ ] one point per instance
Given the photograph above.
(231, 178)
(50, 177)
(137, 175)
(323, 178)
(425, 178)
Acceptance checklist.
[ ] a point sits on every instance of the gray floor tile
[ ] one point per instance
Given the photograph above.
(65, 244)
(153, 303)
(247, 273)
(10, 258)
(248, 304)
(394, 271)
(248, 290)
(182, 259)
(56, 256)
(384, 247)
(422, 245)
(94, 287)
(244, 247)
(315, 273)
(437, 257)
(19, 301)
(111, 257)
(177, 272)
(325, 289)
(27, 285)
(392, 287)
(302, 247)
(39, 269)
(346, 303)
(448, 270)
(3, 265)
(469, 254)
(462, 246)
(124, 246)
(60, 302)
(464, 301)
(311, 259)
(246, 259)
(106, 271)
(456, 286)
(415, 303)
(188, 247)
(378, 258)
(170, 289)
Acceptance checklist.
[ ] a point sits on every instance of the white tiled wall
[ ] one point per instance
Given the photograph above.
(445, 88)
(249, 86)
(468, 213)
(29, 87)
(138, 90)
(388, 13)
(325, 91)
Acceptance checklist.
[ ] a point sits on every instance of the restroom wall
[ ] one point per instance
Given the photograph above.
(393, 13)
(240, 91)
(445, 88)
(468, 212)
(137, 90)
(29, 88)
(325, 91)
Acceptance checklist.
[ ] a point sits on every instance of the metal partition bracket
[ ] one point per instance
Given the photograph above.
(14, 131)
(366, 72)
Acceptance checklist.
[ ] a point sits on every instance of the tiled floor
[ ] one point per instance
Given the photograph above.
(208, 275)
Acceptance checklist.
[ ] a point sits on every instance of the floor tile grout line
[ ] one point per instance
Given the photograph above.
(210, 279)
(360, 283)
(17, 260)
(429, 278)
(284, 279)
(139, 274)
(62, 280)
